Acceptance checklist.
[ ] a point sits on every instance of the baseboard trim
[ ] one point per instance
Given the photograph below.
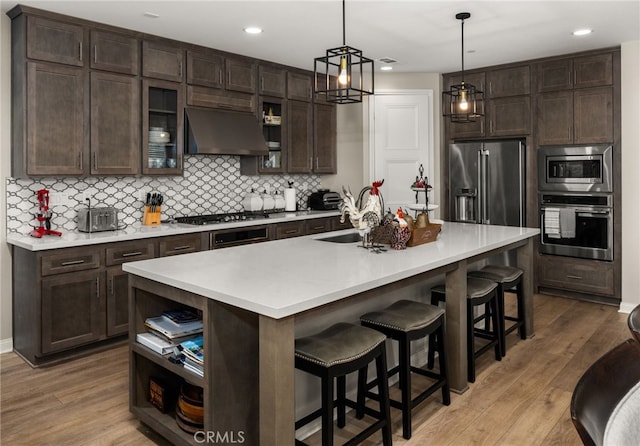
(6, 345)
(627, 307)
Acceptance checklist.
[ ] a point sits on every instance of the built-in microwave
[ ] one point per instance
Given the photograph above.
(575, 168)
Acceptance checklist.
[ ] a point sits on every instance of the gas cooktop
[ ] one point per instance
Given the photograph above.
(211, 219)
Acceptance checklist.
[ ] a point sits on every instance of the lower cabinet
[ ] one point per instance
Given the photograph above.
(70, 300)
(72, 310)
(576, 275)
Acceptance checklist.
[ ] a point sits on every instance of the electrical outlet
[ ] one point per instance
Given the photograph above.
(142, 195)
(86, 195)
(58, 199)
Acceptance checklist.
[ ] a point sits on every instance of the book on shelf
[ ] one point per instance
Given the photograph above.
(180, 317)
(155, 343)
(193, 368)
(172, 330)
(192, 348)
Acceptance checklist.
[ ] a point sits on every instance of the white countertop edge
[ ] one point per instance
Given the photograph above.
(70, 239)
(278, 312)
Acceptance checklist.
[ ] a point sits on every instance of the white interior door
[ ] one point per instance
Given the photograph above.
(401, 140)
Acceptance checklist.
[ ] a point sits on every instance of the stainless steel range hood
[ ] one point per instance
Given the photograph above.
(223, 132)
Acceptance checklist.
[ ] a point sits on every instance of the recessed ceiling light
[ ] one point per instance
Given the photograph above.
(151, 15)
(253, 30)
(386, 68)
(582, 32)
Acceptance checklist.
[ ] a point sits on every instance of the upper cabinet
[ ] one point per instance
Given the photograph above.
(205, 68)
(92, 99)
(575, 100)
(578, 72)
(162, 61)
(114, 52)
(115, 124)
(241, 75)
(273, 81)
(299, 86)
(55, 41)
(52, 139)
(512, 81)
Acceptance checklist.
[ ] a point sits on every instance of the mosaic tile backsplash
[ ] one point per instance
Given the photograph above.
(209, 185)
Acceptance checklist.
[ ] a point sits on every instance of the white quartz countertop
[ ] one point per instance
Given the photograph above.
(285, 277)
(138, 231)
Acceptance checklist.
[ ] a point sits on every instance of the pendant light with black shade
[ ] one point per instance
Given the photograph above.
(343, 75)
(463, 102)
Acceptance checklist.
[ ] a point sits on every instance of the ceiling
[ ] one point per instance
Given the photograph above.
(421, 35)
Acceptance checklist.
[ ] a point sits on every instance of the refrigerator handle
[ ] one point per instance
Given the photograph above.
(484, 186)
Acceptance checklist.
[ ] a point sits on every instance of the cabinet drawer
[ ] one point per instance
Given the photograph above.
(128, 252)
(587, 276)
(293, 229)
(179, 244)
(70, 260)
(318, 225)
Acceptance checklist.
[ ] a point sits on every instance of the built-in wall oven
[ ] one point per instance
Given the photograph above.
(576, 201)
(576, 225)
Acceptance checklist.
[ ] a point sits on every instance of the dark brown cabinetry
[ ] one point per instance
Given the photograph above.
(241, 75)
(162, 61)
(162, 127)
(324, 138)
(575, 117)
(272, 81)
(205, 68)
(569, 274)
(72, 306)
(507, 104)
(289, 229)
(299, 86)
(115, 124)
(574, 104)
(53, 138)
(114, 52)
(55, 41)
(300, 131)
(74, 299)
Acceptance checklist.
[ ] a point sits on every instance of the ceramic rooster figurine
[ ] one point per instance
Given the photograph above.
(367, 217)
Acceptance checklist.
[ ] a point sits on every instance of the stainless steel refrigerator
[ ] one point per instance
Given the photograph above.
(487, 183)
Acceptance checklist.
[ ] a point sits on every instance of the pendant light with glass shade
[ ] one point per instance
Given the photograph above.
(463, 102)
(343, 75)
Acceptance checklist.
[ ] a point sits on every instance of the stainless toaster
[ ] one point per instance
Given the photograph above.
(97, 219)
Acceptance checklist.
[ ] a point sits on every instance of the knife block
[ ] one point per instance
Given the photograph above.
(151, 218)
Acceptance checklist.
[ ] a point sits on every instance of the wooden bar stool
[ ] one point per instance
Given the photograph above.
(334, 353)
(480, 292)
(508, 278)
(405, 321)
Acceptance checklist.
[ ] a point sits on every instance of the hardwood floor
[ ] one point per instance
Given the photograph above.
(521, 400)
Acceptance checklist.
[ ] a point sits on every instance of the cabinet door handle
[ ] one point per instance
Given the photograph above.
(262, 85)
(95, 162)
(131, 254)
(181, 248)
(72, 262)
(179, 68)
(95, 53)
(290, 231)
(98, 287)
(80, 159)
(111, 291)
(220, 80)
(80, 50)
(574, 277)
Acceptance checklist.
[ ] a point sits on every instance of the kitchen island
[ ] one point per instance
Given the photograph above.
(253, 296)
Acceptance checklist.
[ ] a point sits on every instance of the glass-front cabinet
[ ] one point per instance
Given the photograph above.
(272, 120)
(162, 115)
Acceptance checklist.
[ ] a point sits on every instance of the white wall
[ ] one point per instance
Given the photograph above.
(5, 171)
(630, 72)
